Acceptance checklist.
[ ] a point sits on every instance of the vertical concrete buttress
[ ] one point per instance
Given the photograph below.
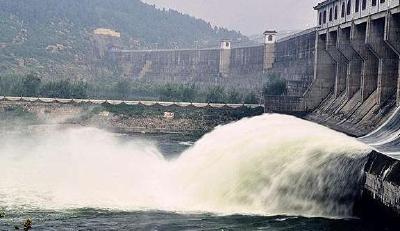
(392, 38)
(324, 75)
(354, 61)
(340, 60)
(388, 60)
(369, 64)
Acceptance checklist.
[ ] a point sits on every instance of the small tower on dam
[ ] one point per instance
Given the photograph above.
(225, 58)
(269, 49)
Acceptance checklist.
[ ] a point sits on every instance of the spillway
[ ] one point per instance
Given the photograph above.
(386, 138)
(266, 165)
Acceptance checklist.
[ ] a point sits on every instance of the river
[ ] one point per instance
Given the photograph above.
(270, 172)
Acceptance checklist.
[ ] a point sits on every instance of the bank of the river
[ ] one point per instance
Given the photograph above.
(123, 118)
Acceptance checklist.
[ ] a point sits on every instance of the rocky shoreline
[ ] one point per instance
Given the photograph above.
(128, 119)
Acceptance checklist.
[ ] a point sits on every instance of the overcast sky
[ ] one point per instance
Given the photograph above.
(248, 16)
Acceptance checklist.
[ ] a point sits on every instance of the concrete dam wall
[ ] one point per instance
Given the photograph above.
(292, 58)
(355, 89)
(243, 66)
(344, 74)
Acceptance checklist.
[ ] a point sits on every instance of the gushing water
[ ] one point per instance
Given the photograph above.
(271, 164)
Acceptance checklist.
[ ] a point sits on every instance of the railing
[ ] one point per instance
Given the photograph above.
(127, 102)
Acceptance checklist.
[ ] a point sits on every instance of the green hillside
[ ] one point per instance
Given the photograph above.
(53, 37)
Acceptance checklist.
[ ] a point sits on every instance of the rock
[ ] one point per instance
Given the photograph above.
(28, 225)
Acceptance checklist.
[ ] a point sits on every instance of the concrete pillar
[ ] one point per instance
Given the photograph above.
(354, 61)
(269, 49)
(325, 64)
(225, 58)
(340, 60)
(392, 38)
(324, 75)
(388, 66)
(369, 64)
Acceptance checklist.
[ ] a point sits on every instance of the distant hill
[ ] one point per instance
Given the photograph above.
(53, 37)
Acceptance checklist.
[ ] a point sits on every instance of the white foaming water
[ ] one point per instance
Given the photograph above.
(271, 164)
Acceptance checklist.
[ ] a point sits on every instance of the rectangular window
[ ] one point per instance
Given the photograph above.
(374, 2)
(348, 7)
(364, 4)
(357, 6)
(343, 9)
(320, 18)
(336, 12)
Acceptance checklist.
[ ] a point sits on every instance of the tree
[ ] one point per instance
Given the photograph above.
(216, 95)
(122, 89)
(59, 89)
(79, 90)
(251, 98)
(31, 85)
(188, 93)
(275, 86)
(168, 92)
(65, 89)
(234, 97)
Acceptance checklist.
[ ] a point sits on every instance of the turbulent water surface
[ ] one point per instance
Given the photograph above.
(270, 172)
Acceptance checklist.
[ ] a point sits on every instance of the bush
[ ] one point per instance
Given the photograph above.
(64, 89)
(234, 97)
(122, 89)
(251, 98)
(11, 85)
(216, 95)
(173, 92)
(275, 86)
(31, 85)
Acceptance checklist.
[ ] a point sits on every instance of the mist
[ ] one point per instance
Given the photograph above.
(228, 171)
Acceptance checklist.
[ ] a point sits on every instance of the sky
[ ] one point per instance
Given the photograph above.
(248, 16)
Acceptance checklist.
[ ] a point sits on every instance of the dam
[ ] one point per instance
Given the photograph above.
(253, 167)
(343, 73)
(355, 88)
